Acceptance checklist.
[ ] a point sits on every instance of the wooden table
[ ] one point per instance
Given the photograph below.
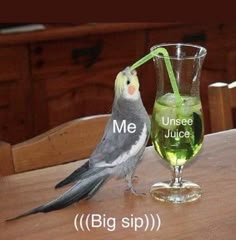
(211, 217)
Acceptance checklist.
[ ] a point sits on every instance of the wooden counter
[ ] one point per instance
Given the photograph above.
(65, 72)
(67, 31)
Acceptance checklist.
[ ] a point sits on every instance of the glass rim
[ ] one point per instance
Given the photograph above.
(202, 50)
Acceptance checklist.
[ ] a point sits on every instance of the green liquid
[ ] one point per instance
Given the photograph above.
(177, 132)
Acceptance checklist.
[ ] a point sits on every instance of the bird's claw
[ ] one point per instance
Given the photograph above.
(134, 179)
(133, 191)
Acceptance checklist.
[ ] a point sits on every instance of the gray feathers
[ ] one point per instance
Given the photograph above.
(85, 188)
(74, 176)
(113, 144)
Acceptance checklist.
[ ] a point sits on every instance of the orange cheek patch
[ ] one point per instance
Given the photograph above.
(131, 89)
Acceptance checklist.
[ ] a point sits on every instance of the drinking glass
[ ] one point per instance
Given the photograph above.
(177, 126)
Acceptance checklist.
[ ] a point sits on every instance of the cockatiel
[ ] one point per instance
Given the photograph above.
(119, 151)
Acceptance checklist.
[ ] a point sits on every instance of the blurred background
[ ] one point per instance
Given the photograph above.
(53, 73)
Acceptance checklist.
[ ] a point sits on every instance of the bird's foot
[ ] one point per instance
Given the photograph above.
(133, 191)
(130, 181)
(134, 179)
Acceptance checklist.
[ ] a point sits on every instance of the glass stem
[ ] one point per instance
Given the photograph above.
(177, 176)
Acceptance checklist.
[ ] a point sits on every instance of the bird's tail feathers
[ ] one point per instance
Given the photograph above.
(83, 189)
(32, 211)
(74, 176)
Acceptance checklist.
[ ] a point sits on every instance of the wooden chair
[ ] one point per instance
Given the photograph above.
(222, 105)
(71, 141)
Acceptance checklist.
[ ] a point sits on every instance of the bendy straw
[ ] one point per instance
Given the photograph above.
(171, 74)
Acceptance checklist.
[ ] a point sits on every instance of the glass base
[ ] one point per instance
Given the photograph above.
(167, 192)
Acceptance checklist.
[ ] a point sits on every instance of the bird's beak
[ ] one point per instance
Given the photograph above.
(131, 89)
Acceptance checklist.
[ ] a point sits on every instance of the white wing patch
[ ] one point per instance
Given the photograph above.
(126, 155)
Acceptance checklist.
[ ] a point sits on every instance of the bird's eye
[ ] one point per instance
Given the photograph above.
(128, 82)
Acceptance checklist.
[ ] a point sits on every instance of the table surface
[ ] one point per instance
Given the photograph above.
(213, 216)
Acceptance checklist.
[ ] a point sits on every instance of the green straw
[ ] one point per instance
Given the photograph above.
(171, 74)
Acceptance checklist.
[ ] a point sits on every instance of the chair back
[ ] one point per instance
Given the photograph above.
(74, 140)
(222, 106)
